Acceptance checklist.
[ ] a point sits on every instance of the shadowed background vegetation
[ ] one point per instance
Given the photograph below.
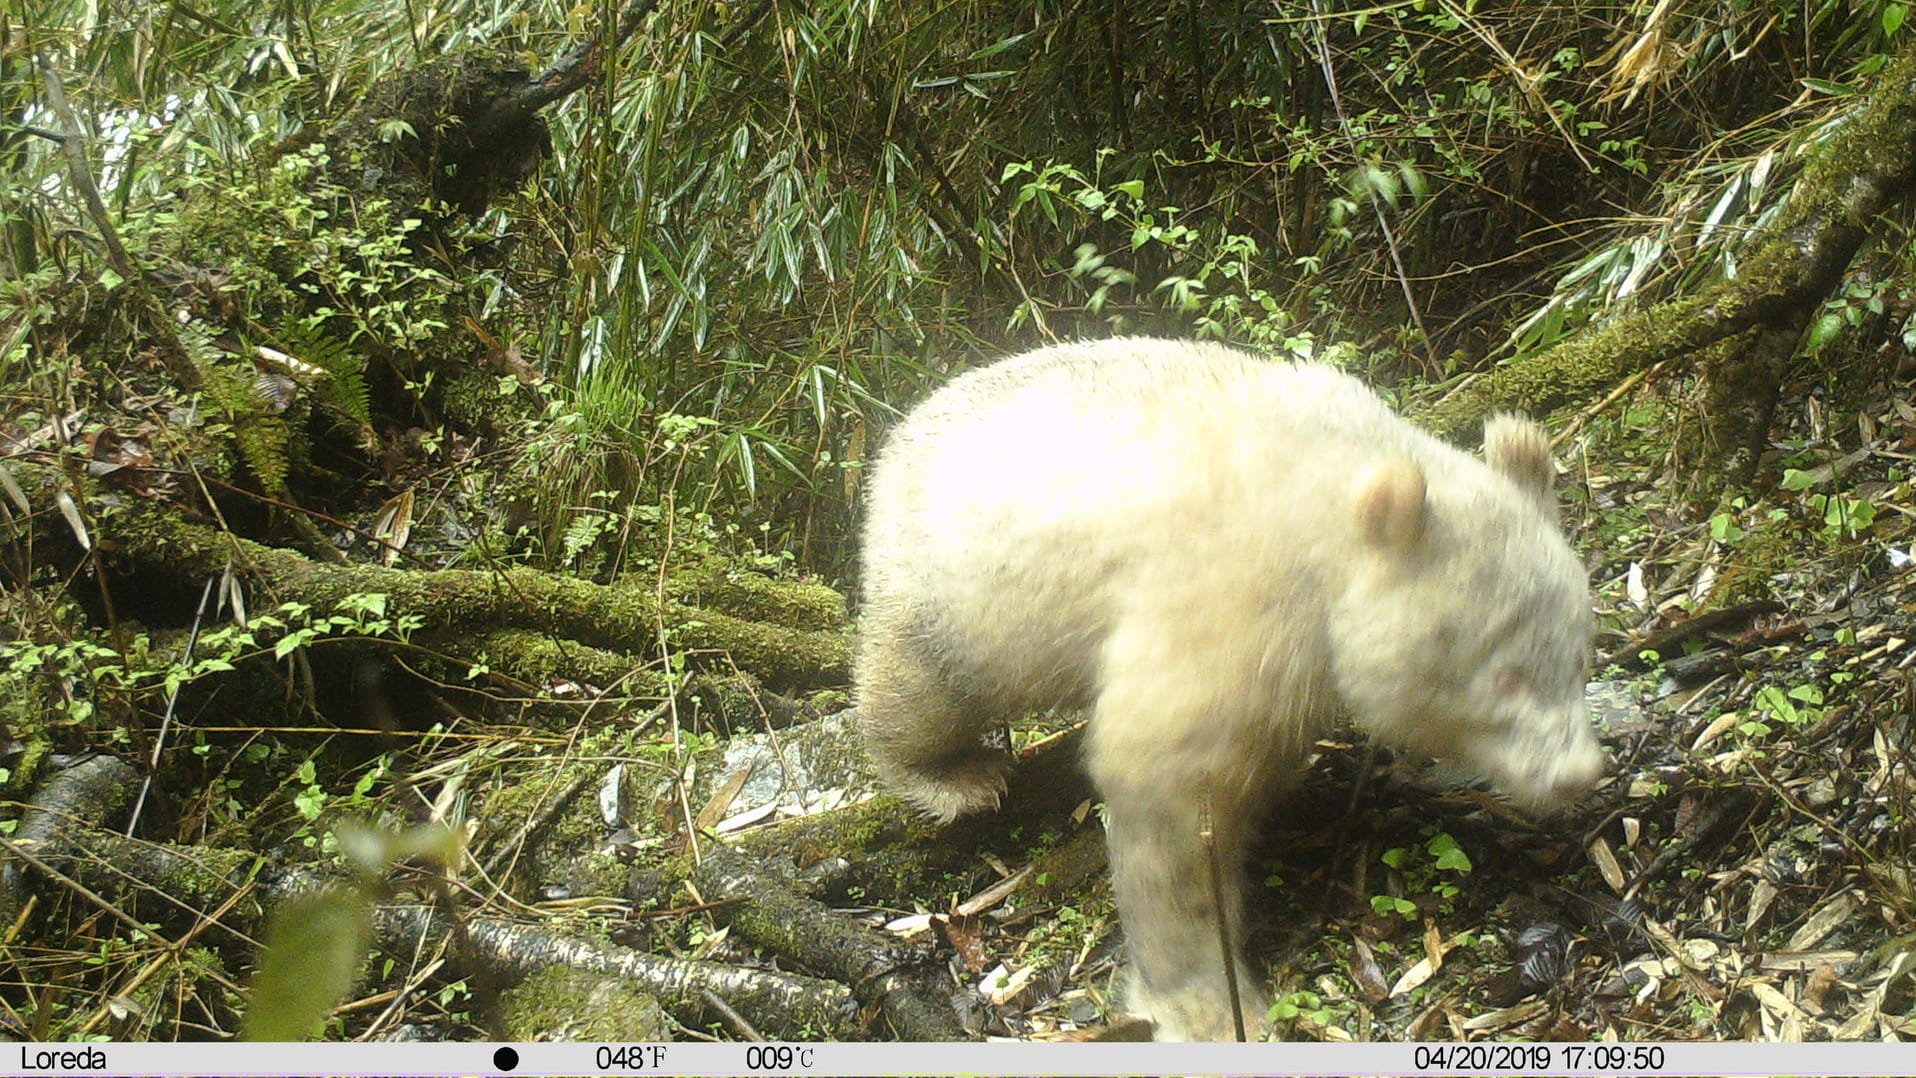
(775, 217)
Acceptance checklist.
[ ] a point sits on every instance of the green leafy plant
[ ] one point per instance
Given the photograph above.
(1218, 279)
(340, 382)
(1841, 516)
(1793, 707)
(80, 679)
(1423, 868)
(1386, 905)
(1305, 1005)
(1723, 524)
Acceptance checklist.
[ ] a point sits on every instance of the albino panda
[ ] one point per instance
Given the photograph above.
(1219, 555)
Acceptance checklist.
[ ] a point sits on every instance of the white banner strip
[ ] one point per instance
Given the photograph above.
(1023, 1058)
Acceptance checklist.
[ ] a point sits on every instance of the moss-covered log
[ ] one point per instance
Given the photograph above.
(158, 538)
(176, 887)
(784, 1005)
(881, 971)
(1865, 167)
(900, 857)
(715, 584)
(82, 795)
(201, 878)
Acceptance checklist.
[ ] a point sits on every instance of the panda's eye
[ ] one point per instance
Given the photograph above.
(1510, 681)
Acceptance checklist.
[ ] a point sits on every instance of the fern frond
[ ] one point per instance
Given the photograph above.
(226, 387)
(346, 392)
(263, 441)
(344, 389)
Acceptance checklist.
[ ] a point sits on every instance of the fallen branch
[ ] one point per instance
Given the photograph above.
(87, 793)
(898, 856)
(1864, 168)
(896, 978)
(784, 1005)
(157, 537)
(194, 878)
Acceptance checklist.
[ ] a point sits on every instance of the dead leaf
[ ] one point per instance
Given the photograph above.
(1824, 921)
(993, 895)
(966, 934)
(1822, 979)
(911, 926)
(733, 824)
(1366, 973)
(710, 943)
(1424, 968)
(1782, 1020)
(1870, 1008)
(721, 800)
(72, 514)
(1504, 1018)
(109, 455)
(1798, 961)
(1646, 62)
(393, 526)
(1762, 893)
(232, 595)
(13, 489)
(1012, 987)
(1723, 724)
(1606, 861)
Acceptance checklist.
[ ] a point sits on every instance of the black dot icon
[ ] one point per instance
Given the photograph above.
(505, 1059)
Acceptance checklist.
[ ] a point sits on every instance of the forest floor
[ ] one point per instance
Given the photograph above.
(1744, 873)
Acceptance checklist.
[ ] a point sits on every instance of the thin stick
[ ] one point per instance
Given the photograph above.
(732, 1018)
(1571, 428)
(172, 698)
(1209, 838)
(1435, 368)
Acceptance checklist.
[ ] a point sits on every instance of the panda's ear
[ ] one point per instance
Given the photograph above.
(1391, 509)
(1520, 450)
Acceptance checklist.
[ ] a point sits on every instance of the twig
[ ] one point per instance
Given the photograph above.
(1209, 837)
(732, 1018)
(172, 698)
(1376, 201)
(1571, 428)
